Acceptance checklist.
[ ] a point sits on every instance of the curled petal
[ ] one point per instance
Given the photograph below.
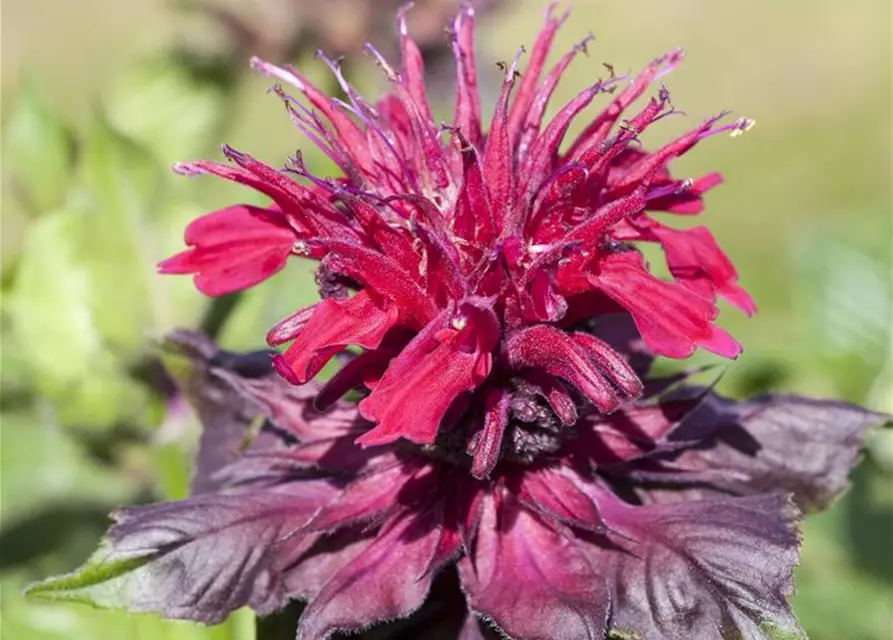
(288, 328)
(612, 363)
(487, 447)
(361, 320)
(552, 350)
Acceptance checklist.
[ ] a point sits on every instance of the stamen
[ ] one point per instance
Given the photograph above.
(298, 167)
(670, 62)
(459, 322)
(742, 125)
(663, 95)
(673, 188)
(310, 127)
(367, 119)
(382, 63)
(277, 72)
(186, 169)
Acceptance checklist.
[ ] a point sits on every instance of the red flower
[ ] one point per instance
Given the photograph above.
(476, 259)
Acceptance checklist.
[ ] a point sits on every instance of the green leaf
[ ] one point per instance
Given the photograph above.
(13, 225)
(132, 225)
(52, 336)
(102, 581)
(33, 620)
(830, 589)
(48, 308)
(123, 183)
(845, 297)
(37, 151)
(170, 111)
(42, 464)
(777, 633)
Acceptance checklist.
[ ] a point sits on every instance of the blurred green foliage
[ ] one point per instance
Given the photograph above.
(89, 207)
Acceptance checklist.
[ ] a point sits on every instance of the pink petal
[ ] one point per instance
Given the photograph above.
(233, 249)
(527, 90)
(534, 116)
(497, 168)
(383, 275)
(435, 368)
(673, 322)
(694, 255)
(335, 324)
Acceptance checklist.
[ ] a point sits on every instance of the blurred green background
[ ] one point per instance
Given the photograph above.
(99, 97)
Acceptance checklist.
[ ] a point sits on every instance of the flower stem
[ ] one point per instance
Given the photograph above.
(281, 625)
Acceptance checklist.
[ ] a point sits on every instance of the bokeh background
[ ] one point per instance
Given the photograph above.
(99, 97)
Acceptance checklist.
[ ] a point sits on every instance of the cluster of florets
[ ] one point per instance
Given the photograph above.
(467, 264)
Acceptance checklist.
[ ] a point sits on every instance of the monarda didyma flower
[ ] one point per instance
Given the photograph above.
(469, 265)
(510, 467)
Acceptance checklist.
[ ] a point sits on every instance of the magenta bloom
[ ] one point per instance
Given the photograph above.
(670, 518)
(469, 264)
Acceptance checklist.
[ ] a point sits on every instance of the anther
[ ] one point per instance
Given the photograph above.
(742, 125)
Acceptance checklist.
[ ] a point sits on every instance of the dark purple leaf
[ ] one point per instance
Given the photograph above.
(773, 443)
(711, 569)
(226, 416)
(198, 559)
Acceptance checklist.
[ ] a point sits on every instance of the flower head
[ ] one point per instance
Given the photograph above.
(670, 518)
(473, 266)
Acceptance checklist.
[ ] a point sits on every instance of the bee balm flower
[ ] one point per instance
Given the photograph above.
(468, 263)
(528, 476)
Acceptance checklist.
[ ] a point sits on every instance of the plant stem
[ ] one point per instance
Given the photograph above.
(281, 625)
